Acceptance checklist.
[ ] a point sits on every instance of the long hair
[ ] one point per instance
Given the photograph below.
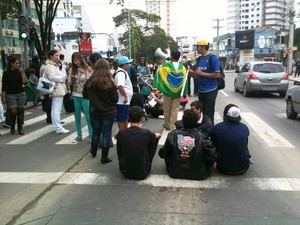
(83, 63)
(102, 78)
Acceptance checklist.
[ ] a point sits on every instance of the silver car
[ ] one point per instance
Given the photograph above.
(262, 77)
(293, 102)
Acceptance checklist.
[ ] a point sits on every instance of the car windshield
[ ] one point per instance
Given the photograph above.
(268, 68)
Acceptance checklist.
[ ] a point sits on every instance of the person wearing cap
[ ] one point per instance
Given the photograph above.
(231, 140)
(188, 153)
(125, 91)
(171, 80)
(208, 71)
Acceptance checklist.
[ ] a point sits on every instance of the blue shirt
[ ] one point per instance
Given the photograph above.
(208, 84)
(231, 141)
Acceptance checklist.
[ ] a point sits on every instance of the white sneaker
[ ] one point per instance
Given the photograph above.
(62, 131)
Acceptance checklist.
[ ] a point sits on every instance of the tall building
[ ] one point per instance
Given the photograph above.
(162, 9)
(250, 14)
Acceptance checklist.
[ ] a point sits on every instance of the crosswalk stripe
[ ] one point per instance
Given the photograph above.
(155, 180)
(267, 133)
(29, 137)
(68, 139)
(28, 122)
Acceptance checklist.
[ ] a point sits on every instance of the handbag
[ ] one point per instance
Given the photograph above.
(45, 85)
(69, 102)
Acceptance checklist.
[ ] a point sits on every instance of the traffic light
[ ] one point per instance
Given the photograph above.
(23, 27)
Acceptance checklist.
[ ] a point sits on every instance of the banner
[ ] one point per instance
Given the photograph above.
(85, 43)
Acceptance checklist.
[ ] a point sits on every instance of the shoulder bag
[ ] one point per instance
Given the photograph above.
(45, 85)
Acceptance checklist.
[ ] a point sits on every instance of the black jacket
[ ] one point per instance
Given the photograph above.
(188, 154)
(102, 102)
(204, 126)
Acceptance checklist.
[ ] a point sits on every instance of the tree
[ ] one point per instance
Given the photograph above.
(144, 39)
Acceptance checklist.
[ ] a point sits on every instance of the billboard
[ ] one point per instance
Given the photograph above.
(244, 39)
(85, 43)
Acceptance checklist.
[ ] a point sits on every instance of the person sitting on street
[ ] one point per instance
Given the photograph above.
(155, 105)
(187, 152)
(230, 138)
(136, 147)
(204, 122)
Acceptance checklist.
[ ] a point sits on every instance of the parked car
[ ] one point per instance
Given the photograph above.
(293, 102)
(262, 77)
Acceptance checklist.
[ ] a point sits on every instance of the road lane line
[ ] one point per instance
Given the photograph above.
(267, 133)
(155, 180)
(29, 137)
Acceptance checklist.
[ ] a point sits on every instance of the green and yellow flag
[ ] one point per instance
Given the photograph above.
(170, 81)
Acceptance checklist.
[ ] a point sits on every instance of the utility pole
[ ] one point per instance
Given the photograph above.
(291, 41)
(25, 11)
(218, 41)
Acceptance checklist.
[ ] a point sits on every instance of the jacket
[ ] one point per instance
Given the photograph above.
(53, 73)
(102, 102)
(188, 154)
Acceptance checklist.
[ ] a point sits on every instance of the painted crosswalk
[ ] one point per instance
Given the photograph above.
(270, 136)
(155, 180)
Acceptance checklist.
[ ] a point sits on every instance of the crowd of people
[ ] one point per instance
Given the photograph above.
(107, 93)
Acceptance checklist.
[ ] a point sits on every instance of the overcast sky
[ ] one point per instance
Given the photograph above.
(194, 18)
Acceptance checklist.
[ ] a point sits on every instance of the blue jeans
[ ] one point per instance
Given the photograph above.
(208, 100)
(102, 125)
(81, 104)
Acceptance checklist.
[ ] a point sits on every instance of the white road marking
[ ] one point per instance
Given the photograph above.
(225, 183)
(267, 133)
(29, 137)
(28, 122)
(224, 93)
(68, 139)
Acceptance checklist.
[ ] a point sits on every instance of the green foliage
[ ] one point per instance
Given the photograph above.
(145, 39)
(10, 7)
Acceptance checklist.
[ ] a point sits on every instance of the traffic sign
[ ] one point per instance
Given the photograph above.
(123, 52)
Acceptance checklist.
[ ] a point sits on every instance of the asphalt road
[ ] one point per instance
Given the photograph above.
(45, 179)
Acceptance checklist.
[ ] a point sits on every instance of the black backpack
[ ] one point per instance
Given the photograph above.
(221, 79)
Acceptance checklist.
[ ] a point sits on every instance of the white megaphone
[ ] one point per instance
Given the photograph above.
(159, 53)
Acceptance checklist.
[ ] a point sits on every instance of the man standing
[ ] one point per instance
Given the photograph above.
(171, 80)
(136, 147)
(125, 91)
(187, 153)
(208, 72)
(32, 38)
(231, 141)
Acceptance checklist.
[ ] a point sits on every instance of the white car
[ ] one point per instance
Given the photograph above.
(293, 102)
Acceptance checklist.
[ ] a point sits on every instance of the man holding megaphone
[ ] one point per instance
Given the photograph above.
(170, 79)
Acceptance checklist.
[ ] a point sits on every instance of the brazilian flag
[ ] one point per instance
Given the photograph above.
(170, 81)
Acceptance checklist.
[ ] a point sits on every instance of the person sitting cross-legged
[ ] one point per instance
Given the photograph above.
(231, 140)
(136, 147)
(187, 152)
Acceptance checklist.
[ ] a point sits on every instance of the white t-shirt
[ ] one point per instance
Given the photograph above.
(123, 79)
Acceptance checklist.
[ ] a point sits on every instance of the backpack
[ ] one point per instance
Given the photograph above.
(221, 79)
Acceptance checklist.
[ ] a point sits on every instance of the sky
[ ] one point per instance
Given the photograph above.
(194, 18)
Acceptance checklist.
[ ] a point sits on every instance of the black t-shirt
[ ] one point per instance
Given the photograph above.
(12, 82)
(136, 148)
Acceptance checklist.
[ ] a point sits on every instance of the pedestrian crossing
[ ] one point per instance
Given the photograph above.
(271, 137)
(154, 180)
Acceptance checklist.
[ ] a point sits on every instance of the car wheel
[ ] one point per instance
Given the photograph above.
(282, 94)
(235, 87)
(245, 92)
(290, 112)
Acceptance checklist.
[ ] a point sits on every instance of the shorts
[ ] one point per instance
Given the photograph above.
(122, 113)
(16, 100)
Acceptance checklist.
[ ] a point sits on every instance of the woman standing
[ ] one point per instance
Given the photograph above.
(101, 90)
(53, 73)
(80, 72)
(13, 93)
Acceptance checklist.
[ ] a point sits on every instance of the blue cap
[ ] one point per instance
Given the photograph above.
(123, 60)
